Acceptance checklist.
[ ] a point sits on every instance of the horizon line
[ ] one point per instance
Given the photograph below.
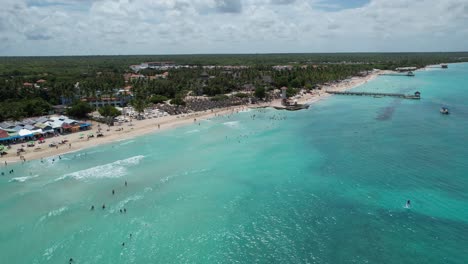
(210, 54)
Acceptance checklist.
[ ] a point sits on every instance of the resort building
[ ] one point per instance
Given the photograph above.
(103, 101)
(36, 128)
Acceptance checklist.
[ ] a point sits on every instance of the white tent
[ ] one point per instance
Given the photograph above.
(24, 132)
(37, 131)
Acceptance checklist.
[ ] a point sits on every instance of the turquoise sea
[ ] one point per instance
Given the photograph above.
(324, 185)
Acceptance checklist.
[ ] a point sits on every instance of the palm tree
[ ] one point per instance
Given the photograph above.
(139, 104)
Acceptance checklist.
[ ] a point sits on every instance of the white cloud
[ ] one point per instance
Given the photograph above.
(61, 27)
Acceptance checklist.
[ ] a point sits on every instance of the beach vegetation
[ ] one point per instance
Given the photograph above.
(178, 100)
(158, 99)
(109, 111)
(241, 95)
(16, 110)
(290, 92)
(79, 109)
(219, 97)
(139, 104)
(260, 92)
(61, 80)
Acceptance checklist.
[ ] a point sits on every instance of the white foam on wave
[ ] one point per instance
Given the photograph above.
(115, 169)
(23, 179)
(233, 124)
(185, 173)
(126, 142)
(54, 213)
(122, 203)
(192, 131)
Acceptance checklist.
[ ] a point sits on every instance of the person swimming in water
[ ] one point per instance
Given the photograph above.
(92, 207)
(104, 206)
(113, 192)
(408, 204)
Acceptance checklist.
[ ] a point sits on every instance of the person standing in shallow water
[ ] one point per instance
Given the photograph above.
(113, 192)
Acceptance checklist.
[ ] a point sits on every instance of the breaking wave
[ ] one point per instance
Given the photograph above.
(115, 169)
(53, 213)
(233, 124)
(23, 179)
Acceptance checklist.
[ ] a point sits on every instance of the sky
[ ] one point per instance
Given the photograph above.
(119, 27)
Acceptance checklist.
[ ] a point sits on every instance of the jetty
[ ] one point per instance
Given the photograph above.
(292, 107)
(415, 96)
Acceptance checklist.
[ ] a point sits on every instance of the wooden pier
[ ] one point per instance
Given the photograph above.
(416, 95)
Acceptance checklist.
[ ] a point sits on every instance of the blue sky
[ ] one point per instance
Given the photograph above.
(87, 27)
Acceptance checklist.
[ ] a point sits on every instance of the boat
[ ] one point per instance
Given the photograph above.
(410, 74)
(444, 111)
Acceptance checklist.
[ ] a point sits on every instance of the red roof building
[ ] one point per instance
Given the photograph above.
(3, 134)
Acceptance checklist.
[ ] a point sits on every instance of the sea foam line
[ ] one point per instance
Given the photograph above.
(53, 213)
(23, 179)
(115, 169)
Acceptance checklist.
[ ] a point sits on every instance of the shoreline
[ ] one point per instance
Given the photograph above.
(143, 127)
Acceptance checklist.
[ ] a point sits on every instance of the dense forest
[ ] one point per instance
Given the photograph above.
(29, 86)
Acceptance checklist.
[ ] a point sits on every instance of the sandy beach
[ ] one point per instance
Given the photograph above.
(142, 127)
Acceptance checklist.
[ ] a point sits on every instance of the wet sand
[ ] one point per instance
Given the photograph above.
(142, 127)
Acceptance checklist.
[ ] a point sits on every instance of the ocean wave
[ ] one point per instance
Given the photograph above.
(125, 142)
(54, 213)
(184, 173)
(233, 124)
(122, 203)
(115, 169)
(23, 179)
(192, 131)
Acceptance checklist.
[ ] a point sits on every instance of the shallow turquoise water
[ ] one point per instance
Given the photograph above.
(326, 185)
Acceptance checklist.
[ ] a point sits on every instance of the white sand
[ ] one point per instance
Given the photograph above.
(141, 127)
